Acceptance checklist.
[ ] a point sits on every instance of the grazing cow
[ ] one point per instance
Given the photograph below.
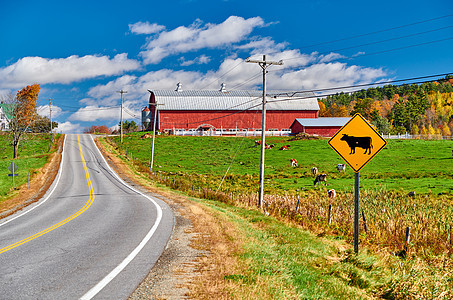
(363, 142)
(320, 178)
(314, 171)
(257, 143)
(269, 146)
(331, 194)
(293, 162)
(411, 194)
(341, 168)
(285, 147)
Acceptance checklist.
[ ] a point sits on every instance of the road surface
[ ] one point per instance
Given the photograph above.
(90, 237)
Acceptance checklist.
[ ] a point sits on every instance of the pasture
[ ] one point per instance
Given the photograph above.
(423, 166)
(196, 166)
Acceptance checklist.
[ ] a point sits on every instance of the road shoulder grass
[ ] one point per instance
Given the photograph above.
(248, 255)
(43, 167)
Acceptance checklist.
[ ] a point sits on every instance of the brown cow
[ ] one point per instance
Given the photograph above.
(293, 162)
(331, 194)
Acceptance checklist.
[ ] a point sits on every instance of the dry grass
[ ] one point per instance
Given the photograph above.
(213, 234)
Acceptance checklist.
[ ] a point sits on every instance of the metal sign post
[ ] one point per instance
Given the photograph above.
(13, 168)
(356, 212)
(357, 142)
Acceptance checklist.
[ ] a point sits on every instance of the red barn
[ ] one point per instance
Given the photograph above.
(227, 110)
(318, 126)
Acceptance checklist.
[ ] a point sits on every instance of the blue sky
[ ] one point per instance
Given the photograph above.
(83, 52)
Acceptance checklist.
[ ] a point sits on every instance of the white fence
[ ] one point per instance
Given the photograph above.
(231, 132)
(417, 136)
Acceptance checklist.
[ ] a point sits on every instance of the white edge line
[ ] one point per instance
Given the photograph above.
(107, 279)
(51, 192)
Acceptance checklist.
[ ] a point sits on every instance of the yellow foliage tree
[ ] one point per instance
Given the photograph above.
(431, 130)
(446, 131)
(423, 130)
(322, 109)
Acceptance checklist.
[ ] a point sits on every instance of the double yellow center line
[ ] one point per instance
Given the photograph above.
(68, 219)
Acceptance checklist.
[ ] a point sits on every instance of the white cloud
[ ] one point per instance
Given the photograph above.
(330, 57)
(95, 113)
(299, 72)
(263, 45)
(145, 28)
(184, 39)
(30, 70)
(44, 111)
(68, 127)
(109, 92)
(201, 60)
(360, 53)
(92, 113)
(328, 75)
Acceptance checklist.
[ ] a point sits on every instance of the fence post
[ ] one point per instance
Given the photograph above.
(329, 216)
(364, 222)
(408, 235)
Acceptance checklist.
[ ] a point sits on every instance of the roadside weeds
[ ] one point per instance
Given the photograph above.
(202, 252)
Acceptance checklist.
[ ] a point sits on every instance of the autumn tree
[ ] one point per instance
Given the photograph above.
(366, 108)
(22, 111)
(97, 129)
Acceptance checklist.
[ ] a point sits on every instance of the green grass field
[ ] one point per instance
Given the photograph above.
(403, 165)
(284, 260)
(32, 156)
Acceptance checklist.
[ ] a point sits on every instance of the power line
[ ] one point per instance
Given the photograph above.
(377, 42)
(363, 85)
(121, 121)
(230, 70)
(404, 47)
(378, 31)
(333, 94)
(344, 39)
(388, 40)
(246, 81)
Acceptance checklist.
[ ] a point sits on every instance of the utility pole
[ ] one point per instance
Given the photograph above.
(50, 114)
(121, 118)
(154, 135)
(263, 64)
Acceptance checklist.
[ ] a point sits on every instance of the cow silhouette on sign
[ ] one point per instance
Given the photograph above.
(363, 142)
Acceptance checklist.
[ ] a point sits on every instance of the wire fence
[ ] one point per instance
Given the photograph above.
(417, 136)
(230, 132)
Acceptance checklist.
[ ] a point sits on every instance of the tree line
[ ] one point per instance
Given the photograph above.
(425, 108)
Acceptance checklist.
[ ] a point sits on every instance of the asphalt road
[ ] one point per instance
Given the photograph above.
(91, 236)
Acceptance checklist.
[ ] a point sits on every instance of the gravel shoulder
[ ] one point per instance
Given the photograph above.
(200, 252)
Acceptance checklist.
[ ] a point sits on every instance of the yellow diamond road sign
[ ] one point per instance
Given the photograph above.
(357, 142)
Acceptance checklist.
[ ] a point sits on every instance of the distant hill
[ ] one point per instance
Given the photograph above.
(425, 108)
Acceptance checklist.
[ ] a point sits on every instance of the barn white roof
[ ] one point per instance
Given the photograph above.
(324, 122)
(234, 100)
